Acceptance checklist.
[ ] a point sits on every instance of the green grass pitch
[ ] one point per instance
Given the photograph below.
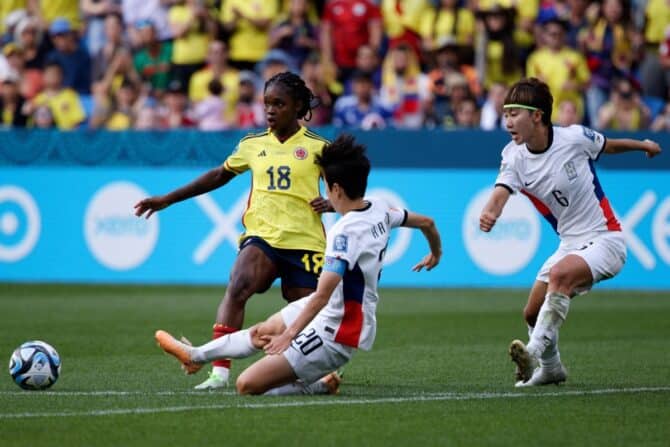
(438, 375)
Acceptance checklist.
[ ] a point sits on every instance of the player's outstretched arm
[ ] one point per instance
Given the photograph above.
(328, 280)
(207, 182)
(619, 145)
(493, 208)
(429, 229)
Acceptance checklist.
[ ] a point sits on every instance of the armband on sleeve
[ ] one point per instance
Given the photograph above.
(335, 265)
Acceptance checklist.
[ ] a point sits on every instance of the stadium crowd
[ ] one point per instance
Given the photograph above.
(165, 64)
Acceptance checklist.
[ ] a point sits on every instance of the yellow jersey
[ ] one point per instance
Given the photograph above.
(285, 178)
(65, 107)
(556, 69)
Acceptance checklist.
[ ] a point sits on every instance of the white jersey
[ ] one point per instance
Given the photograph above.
(561, 182)
(360, 238)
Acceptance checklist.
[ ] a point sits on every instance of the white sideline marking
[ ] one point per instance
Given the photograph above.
(329, 402)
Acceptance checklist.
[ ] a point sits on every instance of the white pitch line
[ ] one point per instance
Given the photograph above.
(335, 401)
(28, 393)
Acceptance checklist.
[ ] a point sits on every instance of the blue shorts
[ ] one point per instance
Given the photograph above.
(297, 268)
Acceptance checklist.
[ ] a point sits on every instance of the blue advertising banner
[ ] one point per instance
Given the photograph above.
(76, 224)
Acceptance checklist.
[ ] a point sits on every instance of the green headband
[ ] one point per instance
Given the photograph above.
(519, 106)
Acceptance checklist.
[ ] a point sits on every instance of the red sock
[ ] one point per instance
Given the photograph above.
(220, 330)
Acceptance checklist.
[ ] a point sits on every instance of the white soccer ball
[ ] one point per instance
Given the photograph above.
(35, 365)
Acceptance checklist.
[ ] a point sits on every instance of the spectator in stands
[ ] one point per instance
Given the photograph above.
(112, 43)
(147, 117)
(275, 61)
(324, 87)
(492, 117)
(625, 109)
(523, 14)
(662, 121)
(217, 68)
(209, 112)
(362, 109)
(248, 22)
(559, 66)
(11, 13)
(467, 114)
(367, 61)
(95, 13)
(295, 35)
(69, 54)
(42, 118)
(29, 36)
(347, 25)
(29, 80)
(12, 113)
(568, 113)
(405, 89)
(448, 22)
(497, 54)
(152, 59)
(191, 29)
(139, 11)
(654, 77)
(249, 111)
(175, 105)
(447, 59)
(577, 16)
(609, 52)
(48, 11)
(123, 113)
(63, 102)
(402, 22)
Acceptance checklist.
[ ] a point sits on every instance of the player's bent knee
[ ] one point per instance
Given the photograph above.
(559, 276)
(246, 387)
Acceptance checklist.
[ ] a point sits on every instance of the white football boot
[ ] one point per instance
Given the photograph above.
(215, 381)
(545, 376)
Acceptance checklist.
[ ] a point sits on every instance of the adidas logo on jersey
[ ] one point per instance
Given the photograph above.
(262, 153)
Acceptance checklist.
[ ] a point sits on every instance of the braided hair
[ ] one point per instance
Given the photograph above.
(298, 90)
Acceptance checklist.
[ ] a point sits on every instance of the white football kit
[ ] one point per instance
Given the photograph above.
(348, 320)
(562, 184)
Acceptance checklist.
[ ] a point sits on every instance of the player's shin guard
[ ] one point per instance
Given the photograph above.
(552, 315)
(218, 331)
(236, 345)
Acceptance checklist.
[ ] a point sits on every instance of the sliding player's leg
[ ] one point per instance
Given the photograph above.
(254, 271)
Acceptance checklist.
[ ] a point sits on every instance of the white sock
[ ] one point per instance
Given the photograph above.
(232, 346)
(298, 387)
(222, 372)
(552, 314)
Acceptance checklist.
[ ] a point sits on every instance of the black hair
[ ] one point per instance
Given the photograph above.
(344, 162)
(534, 93)
(298, 90)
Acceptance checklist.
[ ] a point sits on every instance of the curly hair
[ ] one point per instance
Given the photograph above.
(298, 90)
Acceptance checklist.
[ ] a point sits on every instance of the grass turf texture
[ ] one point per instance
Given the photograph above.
(438, 374)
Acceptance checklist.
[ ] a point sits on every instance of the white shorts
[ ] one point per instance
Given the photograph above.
(605, 255)
(313, 353)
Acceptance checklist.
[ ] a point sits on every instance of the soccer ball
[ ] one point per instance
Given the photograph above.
(35, 365)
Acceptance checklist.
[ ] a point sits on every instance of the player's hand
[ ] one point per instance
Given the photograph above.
(486, 221)
(276, 343)
(321, 205)
(429, 261)
(151, 204)
(651, 148)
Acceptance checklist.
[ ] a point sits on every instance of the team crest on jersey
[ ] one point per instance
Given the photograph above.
(570, 170)
(300, 153)
(340, 243)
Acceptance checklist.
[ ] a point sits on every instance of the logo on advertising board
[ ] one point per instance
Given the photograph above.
(512, 242)
(115, 236)
(20, 223)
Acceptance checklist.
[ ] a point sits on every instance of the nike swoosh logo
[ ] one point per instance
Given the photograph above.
(529, 183)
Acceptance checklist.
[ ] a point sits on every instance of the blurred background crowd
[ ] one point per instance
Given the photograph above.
(447, 64)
